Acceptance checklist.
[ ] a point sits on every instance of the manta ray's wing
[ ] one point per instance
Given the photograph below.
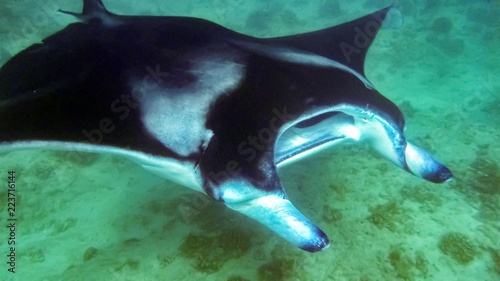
(68, 90)
(82, 89)
(346, 43)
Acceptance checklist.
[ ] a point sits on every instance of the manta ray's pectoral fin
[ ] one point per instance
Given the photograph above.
(347, 43)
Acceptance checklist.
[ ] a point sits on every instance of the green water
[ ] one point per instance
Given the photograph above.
(100, 217)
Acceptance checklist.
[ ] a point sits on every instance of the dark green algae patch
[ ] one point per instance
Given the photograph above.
(210, 253)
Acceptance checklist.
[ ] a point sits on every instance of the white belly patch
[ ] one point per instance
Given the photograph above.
(176, 116)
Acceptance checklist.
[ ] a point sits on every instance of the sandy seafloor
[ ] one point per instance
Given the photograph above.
(101, 217)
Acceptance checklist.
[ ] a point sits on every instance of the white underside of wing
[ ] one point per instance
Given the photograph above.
(300, 57)
(183, 173)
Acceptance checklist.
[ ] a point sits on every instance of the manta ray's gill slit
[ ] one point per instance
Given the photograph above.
(315, 120)
(314, 134)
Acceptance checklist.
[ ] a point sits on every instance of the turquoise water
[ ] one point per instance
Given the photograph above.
(101, 217)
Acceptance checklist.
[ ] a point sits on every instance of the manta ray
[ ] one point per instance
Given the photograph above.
(204, 106)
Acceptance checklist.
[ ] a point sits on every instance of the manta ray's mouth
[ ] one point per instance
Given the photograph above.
(312, 135)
